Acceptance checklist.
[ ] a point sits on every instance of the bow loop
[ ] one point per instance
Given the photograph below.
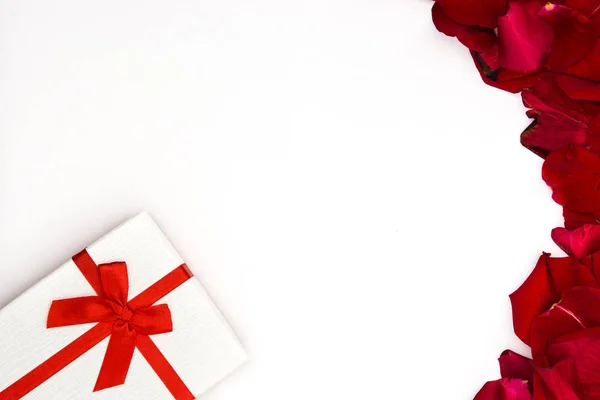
(115, 281)
(77, 311)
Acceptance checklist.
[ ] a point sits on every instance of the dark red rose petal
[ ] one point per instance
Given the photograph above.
(559, 121)
(587, 7)
(580, 242)
(546, 328)
(509, 81)
(483, 13)
(578, 88)
(593, 134)
(588, 67)
(505, 389)
(558, 383)
(574, 220)
(513, 365)
(474, 38)
(534, 297)
(525, 40)
(574, 35)
(583, 348)
(573, 173)
(584, 304)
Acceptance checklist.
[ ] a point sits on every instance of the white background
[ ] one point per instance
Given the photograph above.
(353, 197)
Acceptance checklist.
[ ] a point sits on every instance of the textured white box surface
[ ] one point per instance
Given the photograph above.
(202, 347)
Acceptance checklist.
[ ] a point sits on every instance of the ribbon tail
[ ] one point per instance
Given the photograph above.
(163, 369)
(117, 359)
(56, 363)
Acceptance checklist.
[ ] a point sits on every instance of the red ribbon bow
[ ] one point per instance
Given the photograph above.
(128, 323)
(127, 320)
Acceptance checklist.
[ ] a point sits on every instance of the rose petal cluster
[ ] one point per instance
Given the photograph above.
(550, 53)
(557, 313)
(515, 42)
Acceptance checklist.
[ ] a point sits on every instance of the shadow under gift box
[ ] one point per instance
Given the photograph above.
(46, 352)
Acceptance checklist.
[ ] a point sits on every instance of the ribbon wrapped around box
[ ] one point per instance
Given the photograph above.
(124, 319)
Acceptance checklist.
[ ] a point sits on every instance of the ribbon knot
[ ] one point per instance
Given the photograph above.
(125, 314)
(128, 319)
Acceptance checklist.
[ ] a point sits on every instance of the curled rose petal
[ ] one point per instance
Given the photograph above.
(513, 365)
(546, 328)
(483, 13)
(505, 389)
(580, 242)
(525, 39)
(501, 78)
(534, 297)
(558, 120)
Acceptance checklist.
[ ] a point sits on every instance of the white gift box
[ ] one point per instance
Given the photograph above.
(201, 348)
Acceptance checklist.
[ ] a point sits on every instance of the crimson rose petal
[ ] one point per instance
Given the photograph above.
(578, 88)
(574, 220)
(557, 383)
(525, 40)
(574, 35)
(475, 12)
(505, 389)
(534, 297)
(513, 365)
(573, 173)
(583, 347)
(559, 121)
(473, 37)
(580, 242)
(488, 66)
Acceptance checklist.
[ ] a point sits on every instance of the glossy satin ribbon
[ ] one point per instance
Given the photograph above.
(127, 323)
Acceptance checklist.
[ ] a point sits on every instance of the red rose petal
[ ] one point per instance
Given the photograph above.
(483, 13)
(588, 67)
(580, 242)
(593, 134)
(578, 88)
(557, 383)
(513, 365)
(503, 79)
(534, 297)
(525, 40)
(545, 329)
(505, 389)
(583, 348)
(559, 121)
(573, 173)
(574, 220)
(574, 35)
(474, 38)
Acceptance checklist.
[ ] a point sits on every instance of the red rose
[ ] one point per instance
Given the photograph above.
(573, 173)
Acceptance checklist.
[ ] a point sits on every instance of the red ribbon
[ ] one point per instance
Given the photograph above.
(127, 323)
